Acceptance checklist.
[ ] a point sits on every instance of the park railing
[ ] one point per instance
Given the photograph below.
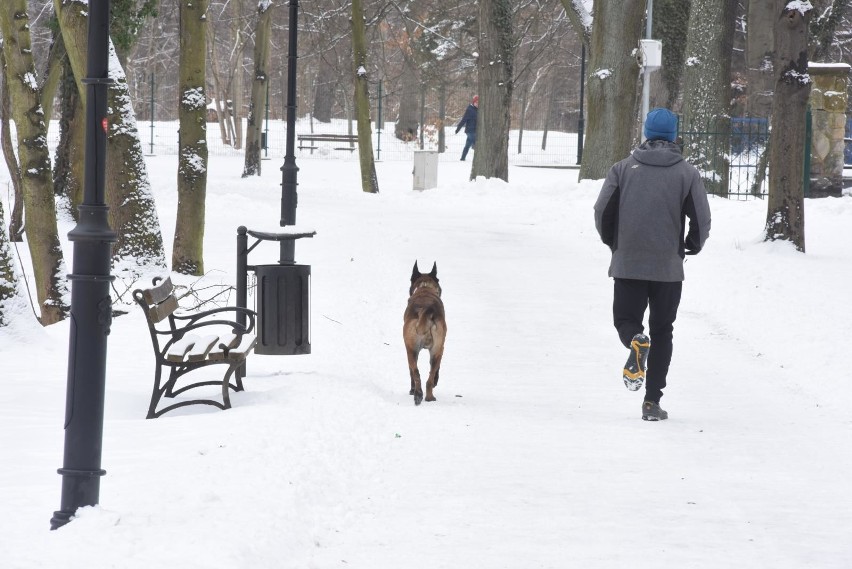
(731, 153)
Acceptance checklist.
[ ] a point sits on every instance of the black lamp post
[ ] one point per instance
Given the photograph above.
(581, 122)
(91, 307)
(289, 198)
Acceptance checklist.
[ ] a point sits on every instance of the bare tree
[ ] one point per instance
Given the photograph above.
(16, 221)
(612, 81)
(259, 85)
(496, 81)
(13, 301)
(34, 156)
(823, 28)
(760, 74)
(188, 247)
(706, 89)
(369, 180)
(785, 216)
(132, 214)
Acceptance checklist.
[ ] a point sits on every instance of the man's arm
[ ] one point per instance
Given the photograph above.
(606, 210)
(697, 209)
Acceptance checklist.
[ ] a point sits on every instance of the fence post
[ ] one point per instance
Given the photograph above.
(379, 124)
(152, 112)
(581, 124)
(806, 176)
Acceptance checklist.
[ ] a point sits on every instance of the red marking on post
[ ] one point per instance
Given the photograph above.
(104, 125)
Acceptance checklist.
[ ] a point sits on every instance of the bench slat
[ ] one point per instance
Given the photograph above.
(199, 351)
(158, 293)
(242, 351)
(177, 351)
(238, 346)
(161, 311)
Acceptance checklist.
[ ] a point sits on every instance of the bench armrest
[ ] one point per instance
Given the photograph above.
(196, 320)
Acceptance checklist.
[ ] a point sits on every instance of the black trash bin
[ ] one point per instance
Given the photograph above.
(283, 298)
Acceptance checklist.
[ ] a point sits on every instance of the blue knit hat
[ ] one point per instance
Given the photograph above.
(661, 124)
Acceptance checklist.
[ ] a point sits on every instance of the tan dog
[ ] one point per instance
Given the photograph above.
(424, 328)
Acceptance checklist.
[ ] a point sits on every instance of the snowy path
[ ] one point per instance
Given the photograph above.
(534, 455)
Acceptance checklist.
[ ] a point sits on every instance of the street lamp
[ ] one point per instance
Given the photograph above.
(91, 306)
(289, 198)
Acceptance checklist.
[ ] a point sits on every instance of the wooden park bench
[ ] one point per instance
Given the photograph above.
(306, 141)
(192, 341)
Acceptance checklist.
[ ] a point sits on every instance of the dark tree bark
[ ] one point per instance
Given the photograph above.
(12, 299)
(760, 75)
(824, 28)
(707, 89)
(132, 212)
(612, 81)
(324, 89)
(369, 180)
(671, 23)
(259, 84)
(405, 128)
(34, 159)
(68, 170)
(188, 249)
(16, 221)
(496, 82)
(785, 216)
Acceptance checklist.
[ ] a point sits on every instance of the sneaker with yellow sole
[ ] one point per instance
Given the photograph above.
(637, 362)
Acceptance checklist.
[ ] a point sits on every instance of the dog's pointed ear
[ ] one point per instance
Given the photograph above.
(434, 273)
(415, 272)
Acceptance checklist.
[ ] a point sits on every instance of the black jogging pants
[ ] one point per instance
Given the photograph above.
(630, 300)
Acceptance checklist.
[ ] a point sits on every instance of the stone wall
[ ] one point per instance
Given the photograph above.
(828, 111)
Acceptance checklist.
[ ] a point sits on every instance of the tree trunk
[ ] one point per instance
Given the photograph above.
(548, 115)
(326, 84)
(405, 128)
(68, 176)
(369, 180)
(671, 24)
(824, 29)
(495, 64)
(188, 248)
(760, 76)
(16, 222)
(523, 120)
(707, 90)
(221, 96)
(611, 84)
(12, 299)
(259, 86)
(442, 117)
(237, 85)
(132, 212)
(785, 216)
(34, 158)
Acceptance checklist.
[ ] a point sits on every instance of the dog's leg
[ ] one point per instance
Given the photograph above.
(434, 368)
(416, 388)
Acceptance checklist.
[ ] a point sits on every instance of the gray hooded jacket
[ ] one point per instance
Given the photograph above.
(642, 209)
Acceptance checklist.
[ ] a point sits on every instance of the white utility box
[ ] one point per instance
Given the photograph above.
(651, 54)
(425, 169)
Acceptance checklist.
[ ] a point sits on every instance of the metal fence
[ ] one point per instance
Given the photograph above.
(543, 125)
(731, 155)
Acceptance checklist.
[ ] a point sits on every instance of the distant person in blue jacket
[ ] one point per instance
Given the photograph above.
(468, 121)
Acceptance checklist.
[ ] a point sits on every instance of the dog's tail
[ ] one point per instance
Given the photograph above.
(425, 321)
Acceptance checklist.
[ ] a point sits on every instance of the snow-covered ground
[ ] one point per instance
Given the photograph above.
(534, 455)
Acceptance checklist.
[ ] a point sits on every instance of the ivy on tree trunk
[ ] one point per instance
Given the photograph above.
(785, 216)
